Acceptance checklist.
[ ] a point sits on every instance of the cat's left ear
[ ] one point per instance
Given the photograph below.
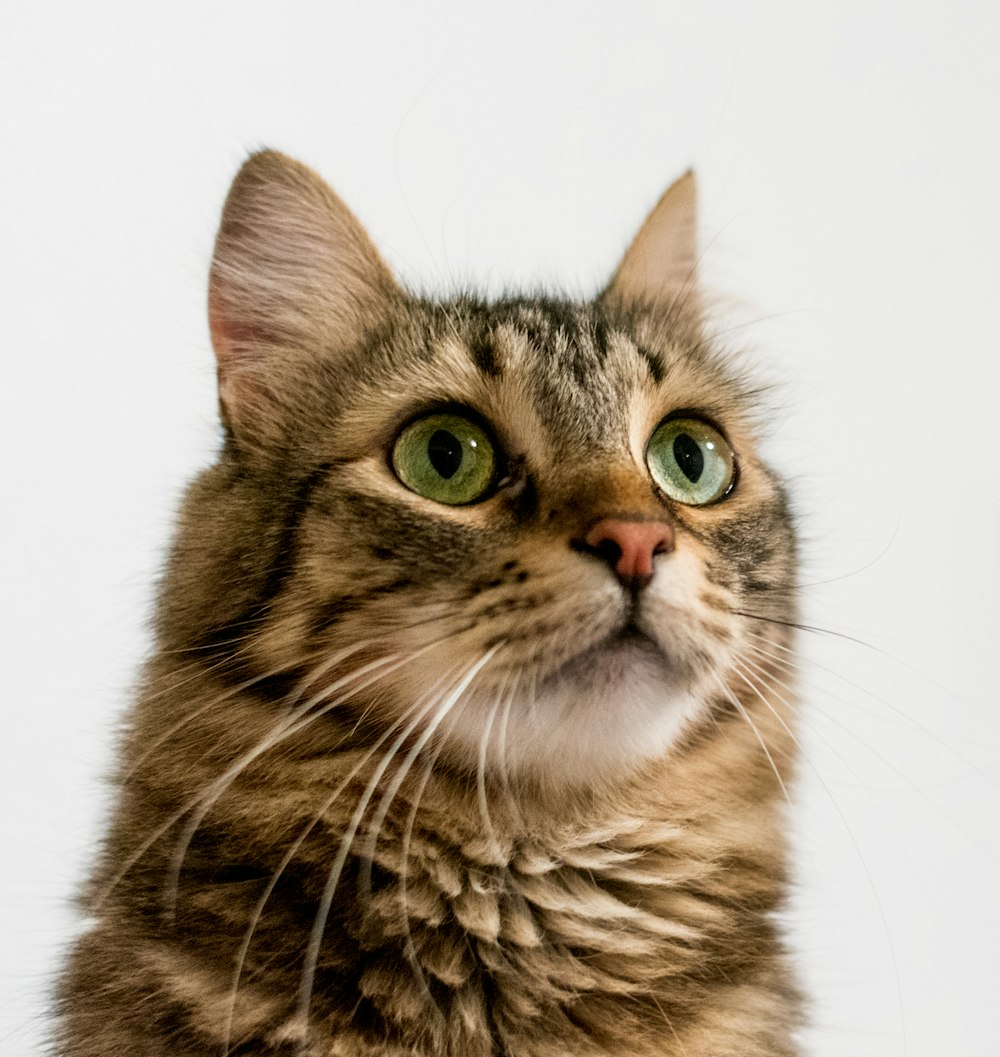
(661, 265)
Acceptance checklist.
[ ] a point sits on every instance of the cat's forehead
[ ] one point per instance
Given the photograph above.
(566, 376)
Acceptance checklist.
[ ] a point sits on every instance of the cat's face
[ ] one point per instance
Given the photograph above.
(480, 533)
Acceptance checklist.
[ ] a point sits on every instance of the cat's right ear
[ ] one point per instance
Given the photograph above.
(293, 273)
(661, 265)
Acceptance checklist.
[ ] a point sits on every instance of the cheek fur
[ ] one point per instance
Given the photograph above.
(520, 621)
(554, 697)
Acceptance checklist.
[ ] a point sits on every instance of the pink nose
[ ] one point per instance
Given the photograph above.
(628, 547)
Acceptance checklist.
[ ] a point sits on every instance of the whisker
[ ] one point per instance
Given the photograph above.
(753, 726)
(326, 900)
(286, 859)
(226, 696)
(409, 946)
(484, 810)
(501, 708)
(763, 676)
(297, 721)
(797, 661)
(367, 854)
(853, 840)
(502, 764)
(813, 629)
(286, 727)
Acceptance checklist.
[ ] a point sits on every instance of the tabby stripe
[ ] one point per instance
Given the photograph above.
(484, 356)
(284, 560)
(221, 644)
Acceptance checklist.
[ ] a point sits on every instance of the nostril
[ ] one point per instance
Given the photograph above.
(629, 547)
(609, 550)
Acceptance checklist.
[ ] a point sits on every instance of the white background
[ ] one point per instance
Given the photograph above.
(849, 160)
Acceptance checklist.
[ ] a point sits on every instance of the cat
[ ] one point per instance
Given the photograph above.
(465, 732)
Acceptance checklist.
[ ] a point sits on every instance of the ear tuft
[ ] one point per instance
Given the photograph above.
(660, 267)
(293, 274)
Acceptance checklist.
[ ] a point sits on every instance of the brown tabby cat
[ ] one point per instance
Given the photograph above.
(461, 737)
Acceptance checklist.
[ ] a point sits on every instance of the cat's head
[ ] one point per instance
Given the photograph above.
(533, 535)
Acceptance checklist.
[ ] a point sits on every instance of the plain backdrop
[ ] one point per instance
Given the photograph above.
(849, 161)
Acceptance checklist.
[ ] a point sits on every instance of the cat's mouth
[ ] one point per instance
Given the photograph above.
(625, 652)
(628, 634)
(629, 641)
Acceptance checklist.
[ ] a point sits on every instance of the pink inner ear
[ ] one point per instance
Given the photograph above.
(661, 263)
(234, 344)
(293, 276)
(233, 340)
(226, 335)
(219, 329)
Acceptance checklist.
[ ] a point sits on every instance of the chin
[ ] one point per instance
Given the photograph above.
(602, 716)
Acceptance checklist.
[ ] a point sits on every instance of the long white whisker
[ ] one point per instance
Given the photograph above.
(753, 726)
(294, 723)
(902, 714)
(217, 787)
(286, 727)
(502, 765)
(326, 900)
(289, 726)
(286, 859)
(369, 856)
(410, 948)
(501, 709)
(367, 853)
(227, 695)
(857, 850)
(484, 810)
(812, 629)
(880, 756)
(739, 667)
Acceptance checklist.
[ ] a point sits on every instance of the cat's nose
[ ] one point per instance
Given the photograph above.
(629, 546)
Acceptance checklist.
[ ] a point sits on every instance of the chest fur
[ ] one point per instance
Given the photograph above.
(531, 947)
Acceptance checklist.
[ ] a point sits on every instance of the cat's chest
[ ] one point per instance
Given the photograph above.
(526, 954)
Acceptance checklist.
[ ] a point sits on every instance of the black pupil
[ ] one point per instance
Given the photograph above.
(445, 452)
(689, 457)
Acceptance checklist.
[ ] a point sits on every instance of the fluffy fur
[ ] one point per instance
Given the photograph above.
(396, 782)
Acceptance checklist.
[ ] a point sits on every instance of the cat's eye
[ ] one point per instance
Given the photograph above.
(691, 461)
(445, 457)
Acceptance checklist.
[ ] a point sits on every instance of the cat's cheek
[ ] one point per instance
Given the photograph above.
(690, 617)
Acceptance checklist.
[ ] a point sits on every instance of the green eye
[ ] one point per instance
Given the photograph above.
(445, 457)
(690, 461)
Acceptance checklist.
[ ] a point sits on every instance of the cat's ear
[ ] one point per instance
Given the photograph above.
(661, 265)
(293, 274)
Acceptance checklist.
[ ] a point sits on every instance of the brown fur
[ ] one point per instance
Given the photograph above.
(360, 814)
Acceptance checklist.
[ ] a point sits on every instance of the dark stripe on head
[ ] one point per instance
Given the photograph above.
(653, 363)
(484, 356)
